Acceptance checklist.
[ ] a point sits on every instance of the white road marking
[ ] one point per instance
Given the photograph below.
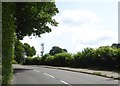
(49, 75)
(36, 71)
(65, 83)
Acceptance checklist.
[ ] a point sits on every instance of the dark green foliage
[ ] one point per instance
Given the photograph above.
(19, 51)
(76, 62)
(28, 61)
(84, 58)
(49, 60)
(64, 50)
(116, 45)
(33, 51)
(22, 50)
(104, 57)
(22, 19)
(7, 41)
(36, 61)
(32, 61)
(14, 62)
(61, 59)
(43, 59)
(56, 49)
(118, 59)
(29, 51)
(32, 18)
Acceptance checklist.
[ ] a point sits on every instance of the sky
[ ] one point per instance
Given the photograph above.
(82, 24)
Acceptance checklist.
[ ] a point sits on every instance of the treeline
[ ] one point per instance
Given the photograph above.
(104, 57)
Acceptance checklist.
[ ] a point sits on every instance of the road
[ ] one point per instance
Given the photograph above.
(40, 75)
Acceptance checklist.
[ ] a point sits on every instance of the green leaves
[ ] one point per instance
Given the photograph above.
(29, 51)
(8, 29)
(33, 18)
(23, 19)
(19, 51)
(56, 49)
(104, 57)
(23, 49)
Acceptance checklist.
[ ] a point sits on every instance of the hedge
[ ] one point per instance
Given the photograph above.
(7, 41)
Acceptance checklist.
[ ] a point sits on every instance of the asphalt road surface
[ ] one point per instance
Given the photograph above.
(40, 75)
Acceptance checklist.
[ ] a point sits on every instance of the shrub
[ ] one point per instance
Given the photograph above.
(36, 61)
(87, 57)
(43, 59)
(14, 62)
(76, 61)
(48, 60)
(62, 59)
(84, 58)
(105, 57)
(28, 61)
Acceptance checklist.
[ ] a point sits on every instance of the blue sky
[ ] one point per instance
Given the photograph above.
(81, 24)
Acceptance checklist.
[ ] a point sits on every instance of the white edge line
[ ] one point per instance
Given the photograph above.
(49, 75)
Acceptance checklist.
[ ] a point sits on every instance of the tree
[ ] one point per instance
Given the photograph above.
(23, 49)
(29, 51)
(19, 51)
(64, 50)
(56, 49)
(33, 18)
(116, 45)
(23, 19)
(33, 51)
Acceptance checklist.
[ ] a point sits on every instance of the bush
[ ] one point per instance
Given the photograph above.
(36, 61)
(105, 57)
(14, 62)
(43, 59)
(84, 58)
(48, 60)
(117, 60)
(32, 61)
(62, 59)
(28, 61)
(76, 61)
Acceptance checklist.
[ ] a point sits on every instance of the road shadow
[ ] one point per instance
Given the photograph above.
(19, 70)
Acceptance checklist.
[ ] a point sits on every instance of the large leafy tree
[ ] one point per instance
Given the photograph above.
(56, 49)
(23, 19)
(116, 45)
(23, 49)
(34, 18)
(29, 51)
(19, 51)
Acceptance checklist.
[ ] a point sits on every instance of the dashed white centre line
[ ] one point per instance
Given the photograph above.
(36, 71)
(54, 77)
(49, 75)
(65, 83)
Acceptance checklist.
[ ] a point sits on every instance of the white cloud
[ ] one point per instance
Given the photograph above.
(76, 17)
(77, 29)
